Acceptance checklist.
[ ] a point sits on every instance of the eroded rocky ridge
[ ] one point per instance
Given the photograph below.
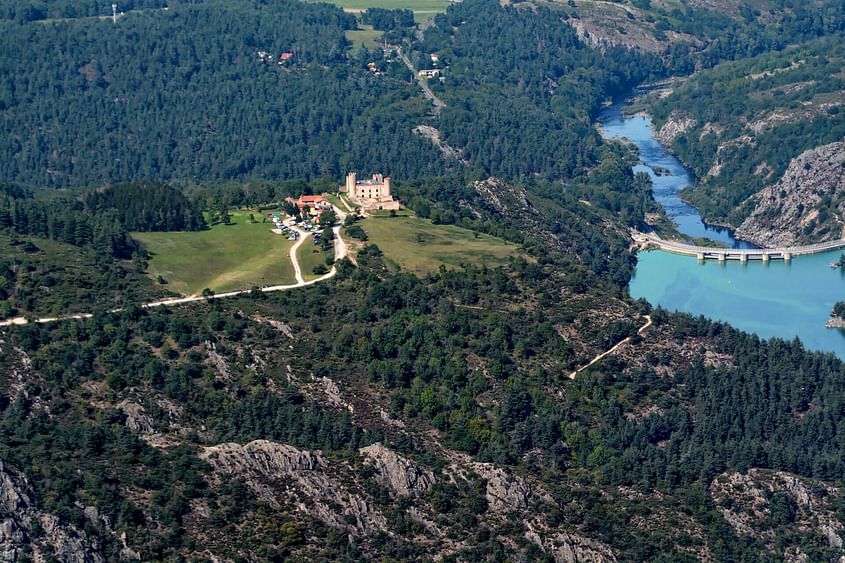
(27, 533)
(758, 502)
(805, 206)
(279, 473)
(335, 493)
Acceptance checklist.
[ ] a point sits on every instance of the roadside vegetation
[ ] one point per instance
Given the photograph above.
(43, 278)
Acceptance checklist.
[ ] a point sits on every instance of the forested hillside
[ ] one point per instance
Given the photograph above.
(38, 10)
(444, 419)
(694, 34)
(739, 125)
(145, 206)
(515, 110)
(182, 94)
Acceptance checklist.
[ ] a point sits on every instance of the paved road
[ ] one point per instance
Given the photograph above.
(438, 103)
(297, 271)
(340, 251)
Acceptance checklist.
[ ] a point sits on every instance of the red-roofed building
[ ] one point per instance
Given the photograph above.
(315, 203)
(285, 57)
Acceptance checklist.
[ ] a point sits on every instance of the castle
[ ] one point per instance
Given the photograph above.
(370, 194)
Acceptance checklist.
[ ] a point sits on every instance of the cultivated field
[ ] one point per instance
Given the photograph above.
(223, 258)
(418, 246)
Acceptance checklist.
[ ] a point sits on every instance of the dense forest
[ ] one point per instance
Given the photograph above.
(23, 11)
(770, 109)
(512, 110)
(728, 38)
(183, 94)
(388, 20)
(146, 206)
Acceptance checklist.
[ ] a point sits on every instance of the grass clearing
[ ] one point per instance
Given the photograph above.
(223, 258)
(310, 255)
(418, 246)
(423, 9)
(365, 36)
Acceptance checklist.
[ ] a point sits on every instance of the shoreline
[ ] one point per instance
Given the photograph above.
(835, 322)
(660, 171)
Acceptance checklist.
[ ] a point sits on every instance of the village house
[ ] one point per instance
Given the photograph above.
(429, 73)
(285, 57)
(310, 204)
(370, 194)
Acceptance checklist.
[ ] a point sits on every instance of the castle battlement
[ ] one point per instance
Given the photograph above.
(372, 193)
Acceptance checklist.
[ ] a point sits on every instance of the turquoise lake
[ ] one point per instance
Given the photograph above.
(779, 299)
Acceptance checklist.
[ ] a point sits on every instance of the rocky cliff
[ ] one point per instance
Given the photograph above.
(678, 124)
(29, 533)
(805, 206)
(761, 503)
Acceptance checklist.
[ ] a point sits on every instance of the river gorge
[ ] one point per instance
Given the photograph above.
(775, 299)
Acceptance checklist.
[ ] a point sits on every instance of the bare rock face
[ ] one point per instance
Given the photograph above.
(434, 135)
(399, 474)
(570, 548)
(279, 473)
(504, 199)
(802, 207)
(677, 124)
(750, 502)
(136, 417)
(18, 514)
(504, 492)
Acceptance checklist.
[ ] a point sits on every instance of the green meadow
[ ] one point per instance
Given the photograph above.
(418, 246)
(223, 258)
(423, 9)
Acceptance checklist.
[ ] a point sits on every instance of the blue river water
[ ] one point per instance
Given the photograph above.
(778, 299)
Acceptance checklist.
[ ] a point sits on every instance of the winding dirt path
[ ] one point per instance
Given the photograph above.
(612, 350)
(340, 250)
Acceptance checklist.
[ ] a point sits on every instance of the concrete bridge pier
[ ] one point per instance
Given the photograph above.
(787, 256)
(766, 257)
(721, 257)
(700, 256)
(743, 257)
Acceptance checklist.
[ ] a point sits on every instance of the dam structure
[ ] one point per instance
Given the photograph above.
(651, 240)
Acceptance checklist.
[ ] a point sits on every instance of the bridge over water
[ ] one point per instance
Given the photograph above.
(649, 240)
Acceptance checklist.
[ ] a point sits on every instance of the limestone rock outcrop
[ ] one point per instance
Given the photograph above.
(280, 473)
(749, 503)
(19, 517)
(805, 205)
(677, 124)
(397, 473)
(570, 548)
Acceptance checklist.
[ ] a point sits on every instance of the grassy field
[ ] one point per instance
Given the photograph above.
(308, 258)
(418, 246)
(423, 9)
(223, 258)
(366, 36)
